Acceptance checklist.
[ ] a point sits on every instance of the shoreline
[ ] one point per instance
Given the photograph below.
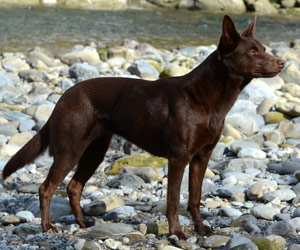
(259, 7)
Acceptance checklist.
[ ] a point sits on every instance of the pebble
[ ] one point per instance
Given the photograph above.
(230, 212)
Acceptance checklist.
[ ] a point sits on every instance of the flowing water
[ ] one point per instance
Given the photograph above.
(22, 28)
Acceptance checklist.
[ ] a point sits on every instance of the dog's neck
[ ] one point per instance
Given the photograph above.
(212, 80)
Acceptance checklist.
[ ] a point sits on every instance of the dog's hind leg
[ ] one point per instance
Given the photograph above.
(87, 165)
(196, 174)
(62, 165)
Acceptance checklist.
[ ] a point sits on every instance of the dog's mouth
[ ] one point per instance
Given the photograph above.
(266, 74)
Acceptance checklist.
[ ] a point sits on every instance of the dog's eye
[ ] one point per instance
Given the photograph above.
(253, 52)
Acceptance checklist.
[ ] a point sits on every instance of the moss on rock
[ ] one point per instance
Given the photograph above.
(138, 160)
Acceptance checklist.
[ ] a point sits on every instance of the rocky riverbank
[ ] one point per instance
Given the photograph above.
(251, 190)
(268, 7)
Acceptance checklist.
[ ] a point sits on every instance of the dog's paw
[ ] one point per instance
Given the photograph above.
(180, 235)
(203, 230)
(49, 228)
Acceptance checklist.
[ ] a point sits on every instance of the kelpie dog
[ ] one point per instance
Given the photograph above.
(180, 118)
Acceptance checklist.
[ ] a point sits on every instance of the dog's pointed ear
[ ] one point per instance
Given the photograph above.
(249, 32)
(229, 37)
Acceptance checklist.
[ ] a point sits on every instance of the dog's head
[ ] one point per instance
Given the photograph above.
(244, 55)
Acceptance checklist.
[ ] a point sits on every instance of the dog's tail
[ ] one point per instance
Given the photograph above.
(28, 152)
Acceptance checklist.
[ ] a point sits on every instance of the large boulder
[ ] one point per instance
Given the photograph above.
(261, 7)
(237, 6)
(96, 4)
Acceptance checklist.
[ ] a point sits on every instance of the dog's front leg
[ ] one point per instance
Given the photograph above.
(175, 173)
(197, 170)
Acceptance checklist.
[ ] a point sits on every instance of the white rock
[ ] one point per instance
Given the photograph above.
(26, 214)
(9, 150)
(252, 153)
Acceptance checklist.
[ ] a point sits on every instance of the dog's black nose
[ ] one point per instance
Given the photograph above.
(280, 63)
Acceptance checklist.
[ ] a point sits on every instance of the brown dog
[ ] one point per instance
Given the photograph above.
(180, 118)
